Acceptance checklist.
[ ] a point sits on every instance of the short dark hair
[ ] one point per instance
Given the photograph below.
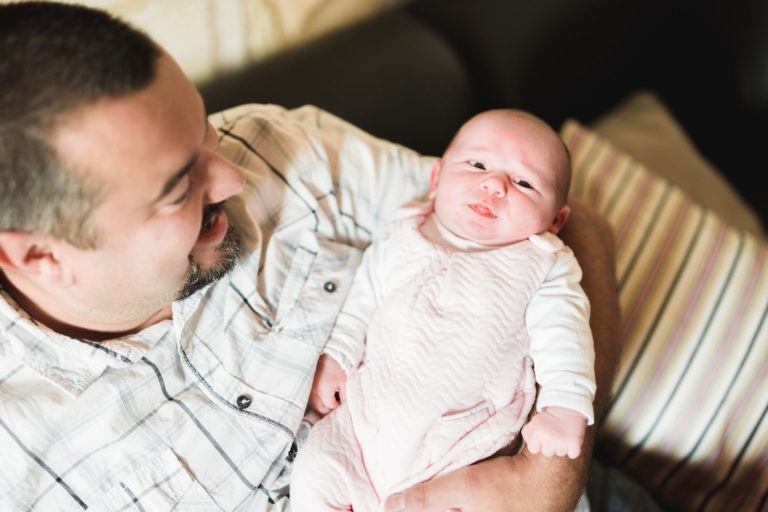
(56, 59)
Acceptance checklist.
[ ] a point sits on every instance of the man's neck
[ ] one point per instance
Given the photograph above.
(39, 315)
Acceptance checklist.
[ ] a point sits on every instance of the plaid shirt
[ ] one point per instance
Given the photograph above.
(204, 411)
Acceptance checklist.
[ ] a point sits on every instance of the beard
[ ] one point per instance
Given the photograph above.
(229, 251)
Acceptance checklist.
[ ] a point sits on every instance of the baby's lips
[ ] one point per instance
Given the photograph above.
(483, 210)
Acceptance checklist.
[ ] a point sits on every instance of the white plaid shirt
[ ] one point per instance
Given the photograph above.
(203, 412)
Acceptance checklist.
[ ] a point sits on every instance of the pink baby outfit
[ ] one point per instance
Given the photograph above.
(447, 377)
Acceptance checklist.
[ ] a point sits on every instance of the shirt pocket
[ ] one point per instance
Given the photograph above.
(162, 484)
(315, 288)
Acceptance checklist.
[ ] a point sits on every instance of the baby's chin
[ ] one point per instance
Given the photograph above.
(486, 239)
(500, 242)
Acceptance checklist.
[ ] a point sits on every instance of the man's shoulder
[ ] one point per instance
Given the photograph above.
(247, 110)
(250, 118)
(267, 112)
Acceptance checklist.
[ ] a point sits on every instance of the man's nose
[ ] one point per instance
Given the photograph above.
(495, 184)
(225, 179)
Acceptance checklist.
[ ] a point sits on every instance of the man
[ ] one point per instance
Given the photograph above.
(157, 349)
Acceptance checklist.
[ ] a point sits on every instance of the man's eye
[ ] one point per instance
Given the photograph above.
(524, 184)
(477, 165)
(184, 197)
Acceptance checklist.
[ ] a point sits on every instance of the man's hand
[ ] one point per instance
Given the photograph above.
(328, 386)
(504, 483)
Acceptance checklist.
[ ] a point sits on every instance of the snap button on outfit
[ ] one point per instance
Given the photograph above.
(329, 286)
(243, 402)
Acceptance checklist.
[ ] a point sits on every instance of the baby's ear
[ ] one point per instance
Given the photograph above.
(560, 219)
(434, 175)
(31, 255)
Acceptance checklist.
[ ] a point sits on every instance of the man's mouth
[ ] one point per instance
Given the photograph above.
(210, 213)
(214, 225)
(482, 210)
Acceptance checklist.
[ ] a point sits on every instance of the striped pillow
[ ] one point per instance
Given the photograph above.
(689, 413)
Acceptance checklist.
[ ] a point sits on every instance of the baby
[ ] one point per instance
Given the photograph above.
(457, 313)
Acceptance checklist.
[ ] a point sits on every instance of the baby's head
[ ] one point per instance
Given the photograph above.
(503, 178)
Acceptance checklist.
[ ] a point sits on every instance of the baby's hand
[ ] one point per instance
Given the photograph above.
(556, 431)
(328, 385)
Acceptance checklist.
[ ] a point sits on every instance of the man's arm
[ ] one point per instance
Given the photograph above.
(528, 481)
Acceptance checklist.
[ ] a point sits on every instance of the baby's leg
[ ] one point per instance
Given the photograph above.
(328, 474)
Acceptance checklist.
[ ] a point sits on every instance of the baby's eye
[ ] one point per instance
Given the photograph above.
(524, 184)
(476, 164)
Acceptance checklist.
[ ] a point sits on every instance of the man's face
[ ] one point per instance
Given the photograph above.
(158, 229)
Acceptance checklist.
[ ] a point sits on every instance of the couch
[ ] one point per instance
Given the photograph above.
(664, 106)
(414, 73)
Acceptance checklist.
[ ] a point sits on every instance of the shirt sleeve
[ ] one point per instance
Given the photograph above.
(344, 174)
(374, 177)
(562, 348)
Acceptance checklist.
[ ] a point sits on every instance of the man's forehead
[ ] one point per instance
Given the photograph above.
(155, 127)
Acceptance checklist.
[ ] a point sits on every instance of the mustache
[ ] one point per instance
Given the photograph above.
(210, 212)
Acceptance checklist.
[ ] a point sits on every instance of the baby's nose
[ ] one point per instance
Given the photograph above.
(494, 185)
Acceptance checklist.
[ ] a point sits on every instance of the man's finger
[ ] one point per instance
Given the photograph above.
(412, 499)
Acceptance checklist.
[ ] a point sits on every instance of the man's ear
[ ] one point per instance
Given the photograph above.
(560, 219)
(33, 256)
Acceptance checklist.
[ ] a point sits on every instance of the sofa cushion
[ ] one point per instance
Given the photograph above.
(689, 412)
(642, 126)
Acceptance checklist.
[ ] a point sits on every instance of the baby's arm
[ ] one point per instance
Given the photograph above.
(563, 360)
(345, 348)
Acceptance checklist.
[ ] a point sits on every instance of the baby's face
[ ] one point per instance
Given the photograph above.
(499, 181)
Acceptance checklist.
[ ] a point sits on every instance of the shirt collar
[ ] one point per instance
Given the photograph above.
(70, 363)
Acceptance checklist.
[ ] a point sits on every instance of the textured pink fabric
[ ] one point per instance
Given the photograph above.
(446, 350)
(446, 380)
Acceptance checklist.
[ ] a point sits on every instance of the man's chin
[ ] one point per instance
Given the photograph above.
(199, 276)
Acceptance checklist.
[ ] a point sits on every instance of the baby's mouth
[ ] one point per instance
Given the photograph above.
(483, 210)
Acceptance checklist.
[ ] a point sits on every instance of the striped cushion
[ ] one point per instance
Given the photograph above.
(689, 414)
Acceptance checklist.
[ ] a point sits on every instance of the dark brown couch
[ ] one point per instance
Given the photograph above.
(413, 74)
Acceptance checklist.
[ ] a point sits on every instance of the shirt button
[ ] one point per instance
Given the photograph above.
(292, 452)
(243, 402)
(329, 286)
